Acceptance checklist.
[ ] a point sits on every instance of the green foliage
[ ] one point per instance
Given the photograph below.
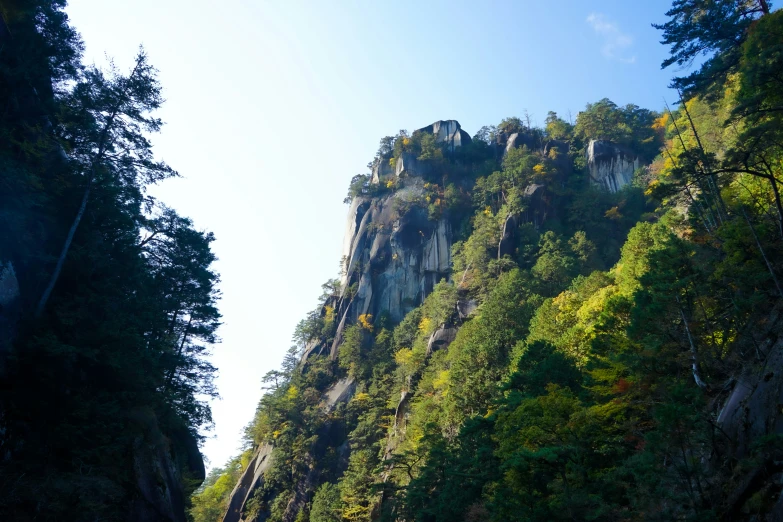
(586, 384)
(630, 126)
(715, 28)
(108, 373)
(210, 500)
(327, 506)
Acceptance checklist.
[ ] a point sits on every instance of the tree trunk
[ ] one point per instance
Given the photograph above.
(694, 355)
(66, 247)
(763, 255)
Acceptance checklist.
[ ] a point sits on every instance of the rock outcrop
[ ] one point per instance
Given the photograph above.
(330, 435)
(611, 166)
(393, 255)
(162, 465)
(446, 132)
(251, 479)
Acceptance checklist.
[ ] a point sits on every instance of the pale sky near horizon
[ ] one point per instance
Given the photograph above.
(272, 107)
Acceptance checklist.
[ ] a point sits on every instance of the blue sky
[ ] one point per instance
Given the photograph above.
(272, 107)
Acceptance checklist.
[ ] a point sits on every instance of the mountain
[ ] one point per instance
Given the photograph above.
(580, 321)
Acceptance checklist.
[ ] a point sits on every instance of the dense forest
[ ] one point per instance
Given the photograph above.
(580, 321)
(595, 350)
(107, 298)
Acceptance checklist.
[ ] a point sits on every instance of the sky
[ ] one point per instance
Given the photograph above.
(272, 107)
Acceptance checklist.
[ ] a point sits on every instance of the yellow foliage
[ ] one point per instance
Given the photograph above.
(329, 313)
(441, 381)
(425, 325)
(276, 434)
(613, 213)
(539, 169)
(393, 162)
(365, 321)
(361, 397)
(390, 184)
(292, 393)
(488, 211)
(651, 187)
(661, 122)
(403, 356)
(244, 459)
(406, 141)
(428, 198)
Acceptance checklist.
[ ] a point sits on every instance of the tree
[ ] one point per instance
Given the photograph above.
(102, 125)
(714, 28)
(556, 127)
(327, 506)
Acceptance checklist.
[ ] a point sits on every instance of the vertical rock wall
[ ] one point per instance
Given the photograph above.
(611, 167)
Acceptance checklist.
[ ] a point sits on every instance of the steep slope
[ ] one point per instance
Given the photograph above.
(400, 237)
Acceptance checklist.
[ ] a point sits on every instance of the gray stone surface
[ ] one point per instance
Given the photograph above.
(449, 132)
(611, 167)
(251, 479)
(441, 338)
(340, 392)
(395, 256)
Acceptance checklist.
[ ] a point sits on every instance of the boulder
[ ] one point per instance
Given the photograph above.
(466, 308)
(448, 132)
(440, 338)
(381, 169)
(611, 166)
(517, 140)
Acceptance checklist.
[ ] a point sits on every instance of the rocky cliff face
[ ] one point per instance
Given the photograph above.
(611, 166)
(393, 255)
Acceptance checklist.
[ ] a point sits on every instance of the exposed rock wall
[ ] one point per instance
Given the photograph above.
(251, 479)
(396, 256)
(611, 166)
(331, 434)
(393, 256)
(446, 132)
(162, 464)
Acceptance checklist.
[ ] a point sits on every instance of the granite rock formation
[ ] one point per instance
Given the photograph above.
(611, 167)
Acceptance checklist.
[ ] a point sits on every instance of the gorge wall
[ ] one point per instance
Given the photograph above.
(394, 254)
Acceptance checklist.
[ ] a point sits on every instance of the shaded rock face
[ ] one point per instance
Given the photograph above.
(161, 464)
(517, 140)
(393, 256)
(754, 409)
(381, 170)
(251, 479)
(408, 166)
(611, 167)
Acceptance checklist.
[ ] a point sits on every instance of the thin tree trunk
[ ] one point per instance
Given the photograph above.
(66, 247)
(778, 204)
(694, 355)
(710, 176)
(93, 168)
(179, 350)
(763, 255)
